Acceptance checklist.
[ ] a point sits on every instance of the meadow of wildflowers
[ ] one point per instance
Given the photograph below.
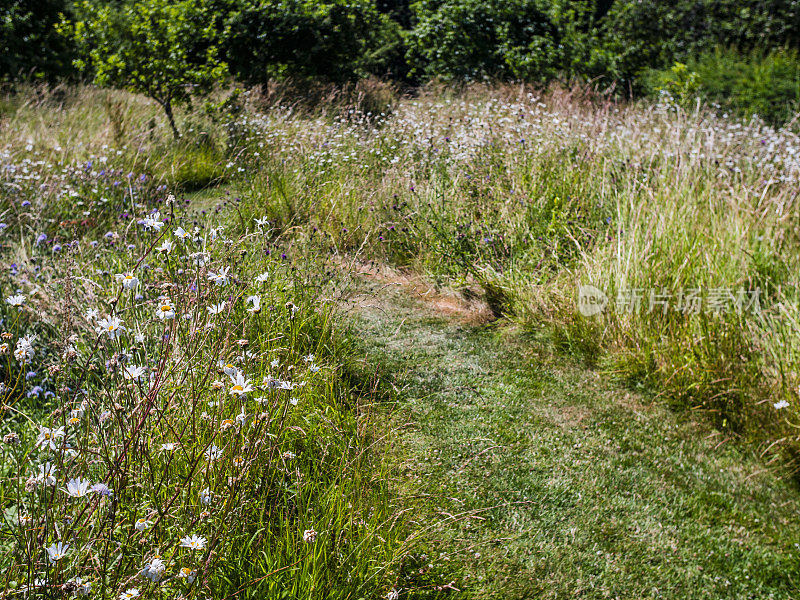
(177, 418)
(179, 410)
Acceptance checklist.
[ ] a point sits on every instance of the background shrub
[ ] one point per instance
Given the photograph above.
(475, 40)
(335, 40)
(753, 83)
(29, 44)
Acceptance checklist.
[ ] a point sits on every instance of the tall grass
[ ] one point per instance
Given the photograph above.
(178, 407)
(529, 196)
(518, 195)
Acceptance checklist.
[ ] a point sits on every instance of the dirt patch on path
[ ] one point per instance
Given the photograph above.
(445, 302)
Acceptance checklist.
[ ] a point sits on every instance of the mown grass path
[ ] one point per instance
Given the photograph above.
(538, 479)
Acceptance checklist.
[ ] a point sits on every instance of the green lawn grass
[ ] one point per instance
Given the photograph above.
(536, 478)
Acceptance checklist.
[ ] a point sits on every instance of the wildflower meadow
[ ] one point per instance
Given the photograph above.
(200, 398)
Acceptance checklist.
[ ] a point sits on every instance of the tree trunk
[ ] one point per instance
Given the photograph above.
(168, 110)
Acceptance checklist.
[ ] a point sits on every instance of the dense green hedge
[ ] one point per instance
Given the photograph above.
(30, 47)
(612, 41)
(478, 39)
(332, 39)
(760, 83)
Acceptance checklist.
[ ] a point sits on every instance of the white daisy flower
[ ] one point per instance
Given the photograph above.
(110, 326)
(220, 278)
(154, 570)
(17, 300)
(227, 368)
(216, 309)
(57, 551)
(213, 453)
(133, 372)
(129, 593)
(193, 542)
(255, 301)
(83, 588)
(241, 385)
(48, 437)
(153, 221)
(129, 280)
(165, 310)
(142, 524)
(78, 488)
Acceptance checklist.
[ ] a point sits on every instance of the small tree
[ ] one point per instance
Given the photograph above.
(161, 48)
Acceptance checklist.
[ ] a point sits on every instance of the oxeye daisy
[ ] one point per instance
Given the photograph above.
(110, 326)
(220, 278)
(153, 221)
(165, 247)
(154, 569)
(129, 593)
(187, 574)
(263, 277)
(255, 304)
(24, 352)
(142, 524)
(133, 372)
(129, 280)
(228, 368)
(213, 453)
(165, 310)
(182, 234)
(216, 309)
(16, 300)
(48, 437)
(78, 488)
(193, 542)
(241, 385)
(57, 551)
(47, 474)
